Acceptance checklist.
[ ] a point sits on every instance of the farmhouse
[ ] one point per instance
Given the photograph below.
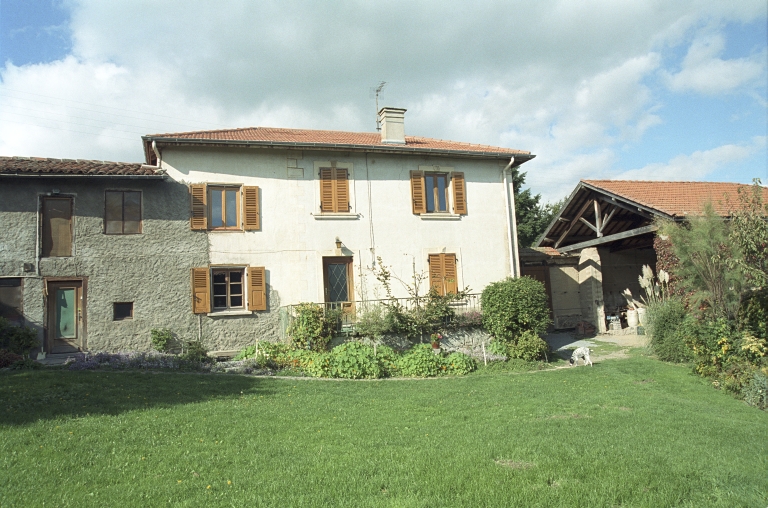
(219, 232)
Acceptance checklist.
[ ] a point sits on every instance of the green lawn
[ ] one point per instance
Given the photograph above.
(632, 432)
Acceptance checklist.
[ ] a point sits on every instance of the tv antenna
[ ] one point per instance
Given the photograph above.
(377, 91)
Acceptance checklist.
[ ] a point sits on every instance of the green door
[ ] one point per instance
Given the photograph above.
(65, 317)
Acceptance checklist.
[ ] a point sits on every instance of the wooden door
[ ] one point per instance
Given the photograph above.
(66, 317)
(337, 281)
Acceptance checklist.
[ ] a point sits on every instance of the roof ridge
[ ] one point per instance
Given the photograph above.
(664, 181)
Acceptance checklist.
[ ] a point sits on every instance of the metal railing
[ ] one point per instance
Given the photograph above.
(466, 312)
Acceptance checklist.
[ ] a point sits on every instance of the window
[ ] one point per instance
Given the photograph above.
(10, 299)
(122, 311)
(122, 212)
(57, 227)
(443, 276)
(334, 190)
(228, 288)
(224, 207)
(431, 191)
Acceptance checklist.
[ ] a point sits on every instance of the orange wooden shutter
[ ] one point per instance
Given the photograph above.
(418, 196)
(459, 194)
(251, 215)
(199, 217)
(201, 290)
(449, 273)
(341, 184)
(436, 273)
(257, 288)
(326, 190)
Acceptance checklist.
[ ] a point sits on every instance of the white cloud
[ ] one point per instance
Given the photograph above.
(568, 80)
(704, 72)
(697, 166)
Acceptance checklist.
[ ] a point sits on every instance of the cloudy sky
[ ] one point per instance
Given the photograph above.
(639, 89)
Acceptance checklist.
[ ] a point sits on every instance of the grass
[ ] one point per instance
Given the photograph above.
(633, 432)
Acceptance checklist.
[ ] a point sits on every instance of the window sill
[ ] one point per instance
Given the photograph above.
(336, 216)
(439, 216)
(227, 313)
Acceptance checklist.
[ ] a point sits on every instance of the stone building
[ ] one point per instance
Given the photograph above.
(95, 254)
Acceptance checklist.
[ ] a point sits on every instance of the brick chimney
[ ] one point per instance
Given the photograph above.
(392, 128)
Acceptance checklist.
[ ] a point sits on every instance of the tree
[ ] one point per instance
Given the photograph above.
(533, 217)
(749, 231)
(705, 252)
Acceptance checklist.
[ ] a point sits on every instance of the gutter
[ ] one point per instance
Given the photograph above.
(70, 175)
(399, 149)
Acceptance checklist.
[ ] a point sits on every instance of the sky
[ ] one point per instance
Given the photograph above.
(596, 89)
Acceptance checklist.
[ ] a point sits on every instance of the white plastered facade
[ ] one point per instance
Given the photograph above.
(295, 235)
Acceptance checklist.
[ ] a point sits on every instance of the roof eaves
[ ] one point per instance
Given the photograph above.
(398, 149)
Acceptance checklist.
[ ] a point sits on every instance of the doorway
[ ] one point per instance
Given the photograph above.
(339, 289)
(66, 317)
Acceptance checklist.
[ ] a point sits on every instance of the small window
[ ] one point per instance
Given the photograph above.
(122, 311)
(334, 190)
(227, 289)
(122, 212)
(57, 227)
(11, 300)
(224, 206)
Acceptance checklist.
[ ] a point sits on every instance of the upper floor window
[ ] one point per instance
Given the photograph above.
(224, 207)
(57, 227)
(122, 212)
(441, 190)
(334, 190)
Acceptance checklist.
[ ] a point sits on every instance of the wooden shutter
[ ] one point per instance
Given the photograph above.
(436, 273)
(341, 186)
(251, 215)
(459, 194)
(201, 290)
(449, 273)
(257, 288)
(326, 190)
(418, 192)
(198, 220)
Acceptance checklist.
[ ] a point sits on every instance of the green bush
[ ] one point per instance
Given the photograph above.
(387, 358)
(513, 306)
(528, 346)
(372, 322)
(669, 326)
(354, 360)
(8, 358)
(26, 364)
(17, 339)
(195, 351)
(755, 393)
(420, 361)
(459, 364)
(753, 313)
(162, 339)
(312, 327)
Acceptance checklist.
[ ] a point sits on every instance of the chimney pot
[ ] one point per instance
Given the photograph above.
(392, 125)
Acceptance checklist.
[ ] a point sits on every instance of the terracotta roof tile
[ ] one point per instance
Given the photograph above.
(678, 199)
(319, 137)
(46, 166)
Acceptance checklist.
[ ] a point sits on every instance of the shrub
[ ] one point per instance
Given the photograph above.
(8, 358)
(26, 363)
(755, 393)
(513, 306)
(420, 361)
(195, 352)
(18, 339)
(666, 320)
(162, 339)
(459, 364)
(753, 313)
(246, 354)
(387, 358)
(528, 346)
(354, 360)
(372, 322)
(312, 328)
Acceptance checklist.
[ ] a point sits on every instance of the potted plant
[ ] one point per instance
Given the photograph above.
(435, 339)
